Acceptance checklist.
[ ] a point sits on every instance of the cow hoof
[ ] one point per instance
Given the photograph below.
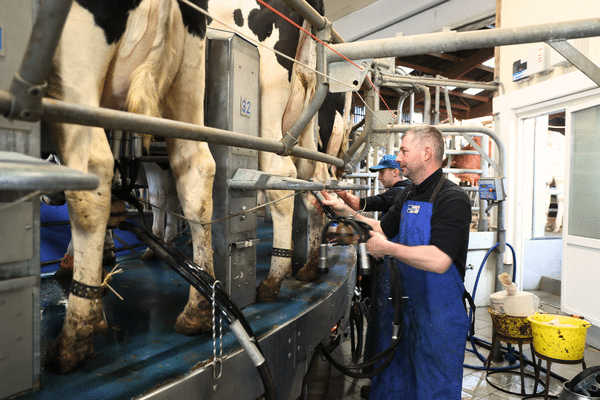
(308, 273)
(148, 255)
(75, 344)
(268, 290)
(109, 259)
(193, 321)
(65, 271)
(66, 353)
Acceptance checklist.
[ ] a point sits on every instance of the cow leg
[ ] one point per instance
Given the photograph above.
(87, 150)
(171, 204)
(161, 186)
(194, 169)
(310, 271)
(282, 212)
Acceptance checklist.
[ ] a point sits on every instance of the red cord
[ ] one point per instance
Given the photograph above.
(324, 44)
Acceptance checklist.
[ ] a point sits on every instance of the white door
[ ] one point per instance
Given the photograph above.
(541, 166)
(581, 237)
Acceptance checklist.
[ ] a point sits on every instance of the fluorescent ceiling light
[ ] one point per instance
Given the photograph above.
(490, 63)
(472, 91)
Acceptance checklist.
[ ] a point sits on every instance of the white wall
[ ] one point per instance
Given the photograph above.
(515, 13)
(537, 94)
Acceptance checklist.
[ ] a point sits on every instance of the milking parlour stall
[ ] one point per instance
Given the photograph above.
(161, 167)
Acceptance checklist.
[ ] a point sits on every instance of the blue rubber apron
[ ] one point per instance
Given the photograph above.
(429, 360)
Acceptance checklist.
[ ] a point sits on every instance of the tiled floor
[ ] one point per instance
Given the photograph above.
(475, 385)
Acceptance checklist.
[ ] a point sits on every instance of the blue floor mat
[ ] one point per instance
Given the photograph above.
(141, 350)
(55, 235)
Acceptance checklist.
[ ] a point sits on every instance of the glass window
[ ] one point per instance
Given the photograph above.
(584, 201)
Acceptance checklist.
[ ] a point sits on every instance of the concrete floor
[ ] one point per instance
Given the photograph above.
(475, 385)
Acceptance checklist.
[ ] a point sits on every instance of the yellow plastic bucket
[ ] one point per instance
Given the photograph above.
(559, 342)
(511, 327)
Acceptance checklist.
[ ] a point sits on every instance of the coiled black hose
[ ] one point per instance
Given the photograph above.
(204, 283)
(366, 369)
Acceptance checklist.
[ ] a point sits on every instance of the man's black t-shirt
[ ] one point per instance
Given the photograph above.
(383, 201)
(450, 220)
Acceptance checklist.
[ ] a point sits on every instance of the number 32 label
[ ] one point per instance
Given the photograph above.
(245, 107)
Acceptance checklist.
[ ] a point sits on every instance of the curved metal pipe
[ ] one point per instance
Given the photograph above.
(29, 84)
(319, 22)
(290, 138)
(348, 156)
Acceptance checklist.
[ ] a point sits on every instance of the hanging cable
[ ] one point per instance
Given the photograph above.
(205, 284)
(361, 232)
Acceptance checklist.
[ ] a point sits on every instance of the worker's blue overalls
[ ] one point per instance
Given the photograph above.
(428, 361)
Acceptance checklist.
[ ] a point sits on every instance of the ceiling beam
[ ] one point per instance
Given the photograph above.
(481, 110)
(459, 69)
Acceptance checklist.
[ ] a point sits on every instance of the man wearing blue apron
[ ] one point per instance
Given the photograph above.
(428, 227)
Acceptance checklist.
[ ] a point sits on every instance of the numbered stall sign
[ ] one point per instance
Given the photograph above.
(245, 107)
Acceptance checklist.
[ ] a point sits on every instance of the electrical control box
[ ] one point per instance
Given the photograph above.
(491, 189)
(520, 70)
(538, 59)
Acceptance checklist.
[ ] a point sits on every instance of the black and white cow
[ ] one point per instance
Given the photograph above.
(147, 56)
(144, 56)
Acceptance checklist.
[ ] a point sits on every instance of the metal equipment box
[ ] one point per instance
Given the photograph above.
(19, 224)
(232, 103)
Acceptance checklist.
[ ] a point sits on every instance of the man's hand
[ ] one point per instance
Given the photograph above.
(378, 245)
(350, 199)
(335, 204)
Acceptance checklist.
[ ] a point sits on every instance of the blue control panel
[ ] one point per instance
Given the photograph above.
(491, 189)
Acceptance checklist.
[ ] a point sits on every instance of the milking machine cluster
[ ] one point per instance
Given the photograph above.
(340, 230)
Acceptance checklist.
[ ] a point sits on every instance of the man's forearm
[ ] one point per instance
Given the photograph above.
(426, 257)
(375, 224)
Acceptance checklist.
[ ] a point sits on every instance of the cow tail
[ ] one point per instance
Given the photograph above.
(150, 81)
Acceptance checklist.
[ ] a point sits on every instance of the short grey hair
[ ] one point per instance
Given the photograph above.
(431, 135)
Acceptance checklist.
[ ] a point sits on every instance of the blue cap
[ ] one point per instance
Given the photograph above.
(387, 161)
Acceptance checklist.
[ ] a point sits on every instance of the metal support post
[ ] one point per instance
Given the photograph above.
(29, 84)
(576, 58)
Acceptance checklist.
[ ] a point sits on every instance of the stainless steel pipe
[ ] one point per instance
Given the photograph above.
(450, 41)
(60, 111)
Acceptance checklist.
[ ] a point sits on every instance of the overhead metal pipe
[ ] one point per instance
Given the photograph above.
(411, 80)
(450, 41)
(60, 111)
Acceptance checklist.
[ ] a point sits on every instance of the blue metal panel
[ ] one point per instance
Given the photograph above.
(141, 354)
